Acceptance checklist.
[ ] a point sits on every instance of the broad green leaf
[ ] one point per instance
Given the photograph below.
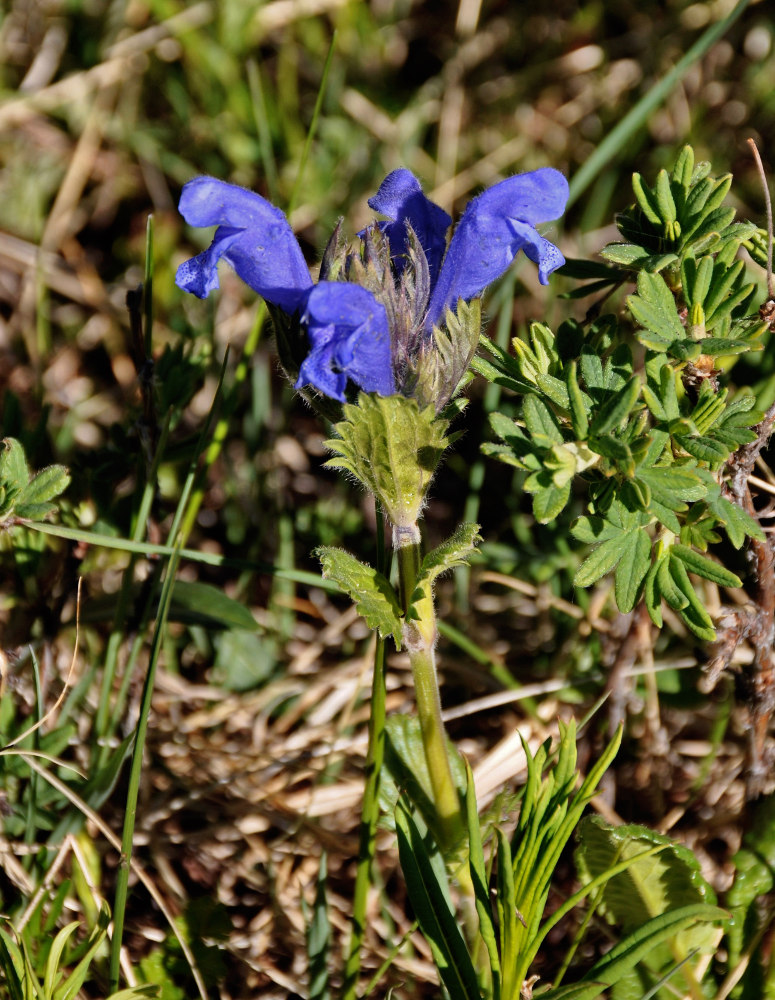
(244, 659)
(654, 307)
(14, 473)
(615, 451)
(549, 501)
(652, 597)
(554, 389)
(707, 225)
(634, 564)
(708, 568)
(693, 612)
(616, 409)
(668, 587)
(624, 253)
(429, 895)
(664, 197)
(46, 485)
(393, 448)
(591, 368)
(672, 485)
(658, 887)
(371, 592)
(406, 769)
(541, 422)
(204, 604)
(594, 529)
(33, 511)
(737, 522)
(319, 939)
(684, 167)
(508, 430)
(704, 449)
(602, 560)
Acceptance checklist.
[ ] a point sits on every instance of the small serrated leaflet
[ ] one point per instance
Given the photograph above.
(370, 591)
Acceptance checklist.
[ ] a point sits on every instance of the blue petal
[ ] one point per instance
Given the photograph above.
(349, 335)
(400, 198)
(494, 228)
(253, 236)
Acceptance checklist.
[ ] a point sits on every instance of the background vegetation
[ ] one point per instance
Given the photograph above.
(257, 734)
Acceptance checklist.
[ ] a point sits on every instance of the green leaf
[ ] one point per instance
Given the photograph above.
(704, 449)
(393, 448)
(708, 568)
(578, 402)
(594, 529)
(665, 887)
(737, 522)
(206, 605)
(625, 254)
(406, 770)
(46, 485)
(541, 422)
(14, 474)
(548, 500)
(646, 200)
(664, 197)
(554, 389)
(603, 559)
(372, 594)
(481, 883)
(591, 368)
(429, 895)
(455, 551)
(652, 597)
(319, 939)
(693, 612)
(616, 409)
(654, 308)
(635, 563)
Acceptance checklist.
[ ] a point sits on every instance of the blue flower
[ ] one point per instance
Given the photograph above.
(374, 321)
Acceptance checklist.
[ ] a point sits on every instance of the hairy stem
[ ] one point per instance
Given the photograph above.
(419, 636)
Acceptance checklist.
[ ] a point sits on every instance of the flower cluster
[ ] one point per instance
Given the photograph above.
(373, 314)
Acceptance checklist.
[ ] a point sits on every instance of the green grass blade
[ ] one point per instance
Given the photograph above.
(312, 127)
(635, 119)
(206, 558)
(432, 905)
(122, 881)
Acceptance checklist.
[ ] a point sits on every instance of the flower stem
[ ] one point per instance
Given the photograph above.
(419, 635)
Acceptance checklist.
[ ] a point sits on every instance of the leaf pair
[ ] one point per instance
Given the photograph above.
(374, 595)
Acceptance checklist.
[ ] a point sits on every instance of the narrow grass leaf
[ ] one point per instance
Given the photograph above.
(432, 905)
(481, 884)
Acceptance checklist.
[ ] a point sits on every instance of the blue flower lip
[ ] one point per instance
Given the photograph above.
(348, 328)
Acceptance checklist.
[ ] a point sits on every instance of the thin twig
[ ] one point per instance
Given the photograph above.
(768, 209)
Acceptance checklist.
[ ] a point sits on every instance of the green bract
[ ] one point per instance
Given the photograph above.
(392, 447)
